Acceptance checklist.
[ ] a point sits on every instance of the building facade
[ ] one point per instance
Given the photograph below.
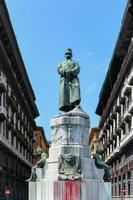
(115, 109)
(40, 142)
(17, 113)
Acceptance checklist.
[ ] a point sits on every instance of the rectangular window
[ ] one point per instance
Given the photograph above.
(12, 139)
(119, 178)
(119, 190)
(115, 190)
(129, 188)
(0, 99)
(123, 177)
(129, 175)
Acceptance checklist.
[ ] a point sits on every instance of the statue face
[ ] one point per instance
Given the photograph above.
(68, 56)
(39, 151)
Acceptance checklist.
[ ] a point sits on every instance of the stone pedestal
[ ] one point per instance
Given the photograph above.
(91, 189)
(70, 173)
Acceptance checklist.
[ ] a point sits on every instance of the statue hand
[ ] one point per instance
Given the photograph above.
(69, 74)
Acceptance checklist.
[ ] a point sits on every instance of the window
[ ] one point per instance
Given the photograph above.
(0, 99)
(129, 126)
(123, 177)
(124, 188)
(115, 143)
(128, 175)
(128, 187)
(4, 99)
(119, 189)
(115, 190)
(12, 139)
(112, 190)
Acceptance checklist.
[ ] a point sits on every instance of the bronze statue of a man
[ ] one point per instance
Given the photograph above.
(69, 95)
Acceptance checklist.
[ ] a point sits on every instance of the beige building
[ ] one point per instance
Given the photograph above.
(115, 109)
(93, 140)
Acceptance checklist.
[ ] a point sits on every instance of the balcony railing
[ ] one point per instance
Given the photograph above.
(108, 142)
(127, 116)
(10, 122)
(118, 108)
(3, 113)
(105, 146)
(110, 120)
(128, 137)
(12, 102)
(127, 90)
(110, 156)
(122, 100)
(113, 115)
(16, 152)
(3, 84)
(113, 135)
(122, 122)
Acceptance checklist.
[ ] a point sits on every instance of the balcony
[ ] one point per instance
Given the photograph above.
(113, 115)
(111, 140)
(13, 149)
(127, 116)
(122, 122)
(107, 126)
(12, 102)
(118, 108)
(104, 129)
(113, 136)
(118, 131)
(3, 113)
(18, 115)
(105, 146)
(122, 100)
(3, 84)
(127, 90)
(10, 123)
(110, 120)
(108, 142)
(109, 157)
(126, 139)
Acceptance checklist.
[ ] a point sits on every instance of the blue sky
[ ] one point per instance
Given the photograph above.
(45, 28)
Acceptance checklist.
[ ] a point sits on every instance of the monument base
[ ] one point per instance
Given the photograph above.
(69, 172)
(70, 190)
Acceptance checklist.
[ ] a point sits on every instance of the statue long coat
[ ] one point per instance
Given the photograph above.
(69, 91)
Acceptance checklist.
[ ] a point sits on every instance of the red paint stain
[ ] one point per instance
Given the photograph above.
(72, 190)
(67, 190)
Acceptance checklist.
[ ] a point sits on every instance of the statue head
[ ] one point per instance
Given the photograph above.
(68, 53)
(39, 151)
(100, 151)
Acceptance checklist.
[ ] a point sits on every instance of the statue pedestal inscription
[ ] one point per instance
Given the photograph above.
(70, 173)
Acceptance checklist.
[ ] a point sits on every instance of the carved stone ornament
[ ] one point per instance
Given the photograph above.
(69, 167)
